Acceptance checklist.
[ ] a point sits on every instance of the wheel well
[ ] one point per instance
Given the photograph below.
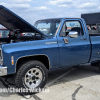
(42, 58)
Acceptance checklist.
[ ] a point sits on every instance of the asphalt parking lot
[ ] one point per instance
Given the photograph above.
(81, 83)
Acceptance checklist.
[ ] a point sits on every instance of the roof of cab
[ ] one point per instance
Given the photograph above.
(58, 18)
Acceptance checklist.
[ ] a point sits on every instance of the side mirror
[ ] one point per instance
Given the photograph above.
(73, 34)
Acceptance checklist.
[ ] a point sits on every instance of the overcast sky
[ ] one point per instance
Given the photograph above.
(32, 10)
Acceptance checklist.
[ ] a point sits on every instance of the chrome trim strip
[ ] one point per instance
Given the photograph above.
(50, 42)
(58, 28)
(30, 56)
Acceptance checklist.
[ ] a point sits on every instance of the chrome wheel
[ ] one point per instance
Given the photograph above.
(33, 78)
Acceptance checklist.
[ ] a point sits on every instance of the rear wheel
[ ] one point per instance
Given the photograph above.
(31, 75)
(95, 64)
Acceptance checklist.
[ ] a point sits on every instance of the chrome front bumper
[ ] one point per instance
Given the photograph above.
(3, 71)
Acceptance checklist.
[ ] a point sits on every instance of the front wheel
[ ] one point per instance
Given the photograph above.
(31, 75)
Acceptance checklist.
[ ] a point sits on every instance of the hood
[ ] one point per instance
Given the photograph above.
(13, 22)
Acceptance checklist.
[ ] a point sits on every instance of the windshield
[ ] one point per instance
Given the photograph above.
(48, 27)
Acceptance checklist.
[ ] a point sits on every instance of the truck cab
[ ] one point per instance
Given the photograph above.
(53, 44)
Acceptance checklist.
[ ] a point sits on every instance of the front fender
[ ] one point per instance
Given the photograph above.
(48, 47)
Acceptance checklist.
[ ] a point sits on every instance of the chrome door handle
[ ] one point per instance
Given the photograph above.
(66, 40)
(83, 38)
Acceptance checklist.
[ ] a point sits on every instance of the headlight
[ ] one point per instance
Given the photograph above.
(12, 60)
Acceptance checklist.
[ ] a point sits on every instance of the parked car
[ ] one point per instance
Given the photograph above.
(56, 43)
(4, 33)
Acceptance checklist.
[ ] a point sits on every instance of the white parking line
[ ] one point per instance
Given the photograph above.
(53, 81)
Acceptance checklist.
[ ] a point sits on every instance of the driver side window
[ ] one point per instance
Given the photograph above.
(70, 26)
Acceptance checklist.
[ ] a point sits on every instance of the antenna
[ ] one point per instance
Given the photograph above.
(69, 12)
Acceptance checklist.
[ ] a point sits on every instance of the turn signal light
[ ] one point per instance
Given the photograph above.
(12, 60)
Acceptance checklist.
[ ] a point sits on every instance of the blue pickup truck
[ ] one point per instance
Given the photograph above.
(54, 43)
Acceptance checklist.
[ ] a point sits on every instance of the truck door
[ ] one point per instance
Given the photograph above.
(73, 51)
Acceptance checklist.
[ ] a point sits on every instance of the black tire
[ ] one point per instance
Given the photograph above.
(94, 64)
(20, 75)
(99, 65)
